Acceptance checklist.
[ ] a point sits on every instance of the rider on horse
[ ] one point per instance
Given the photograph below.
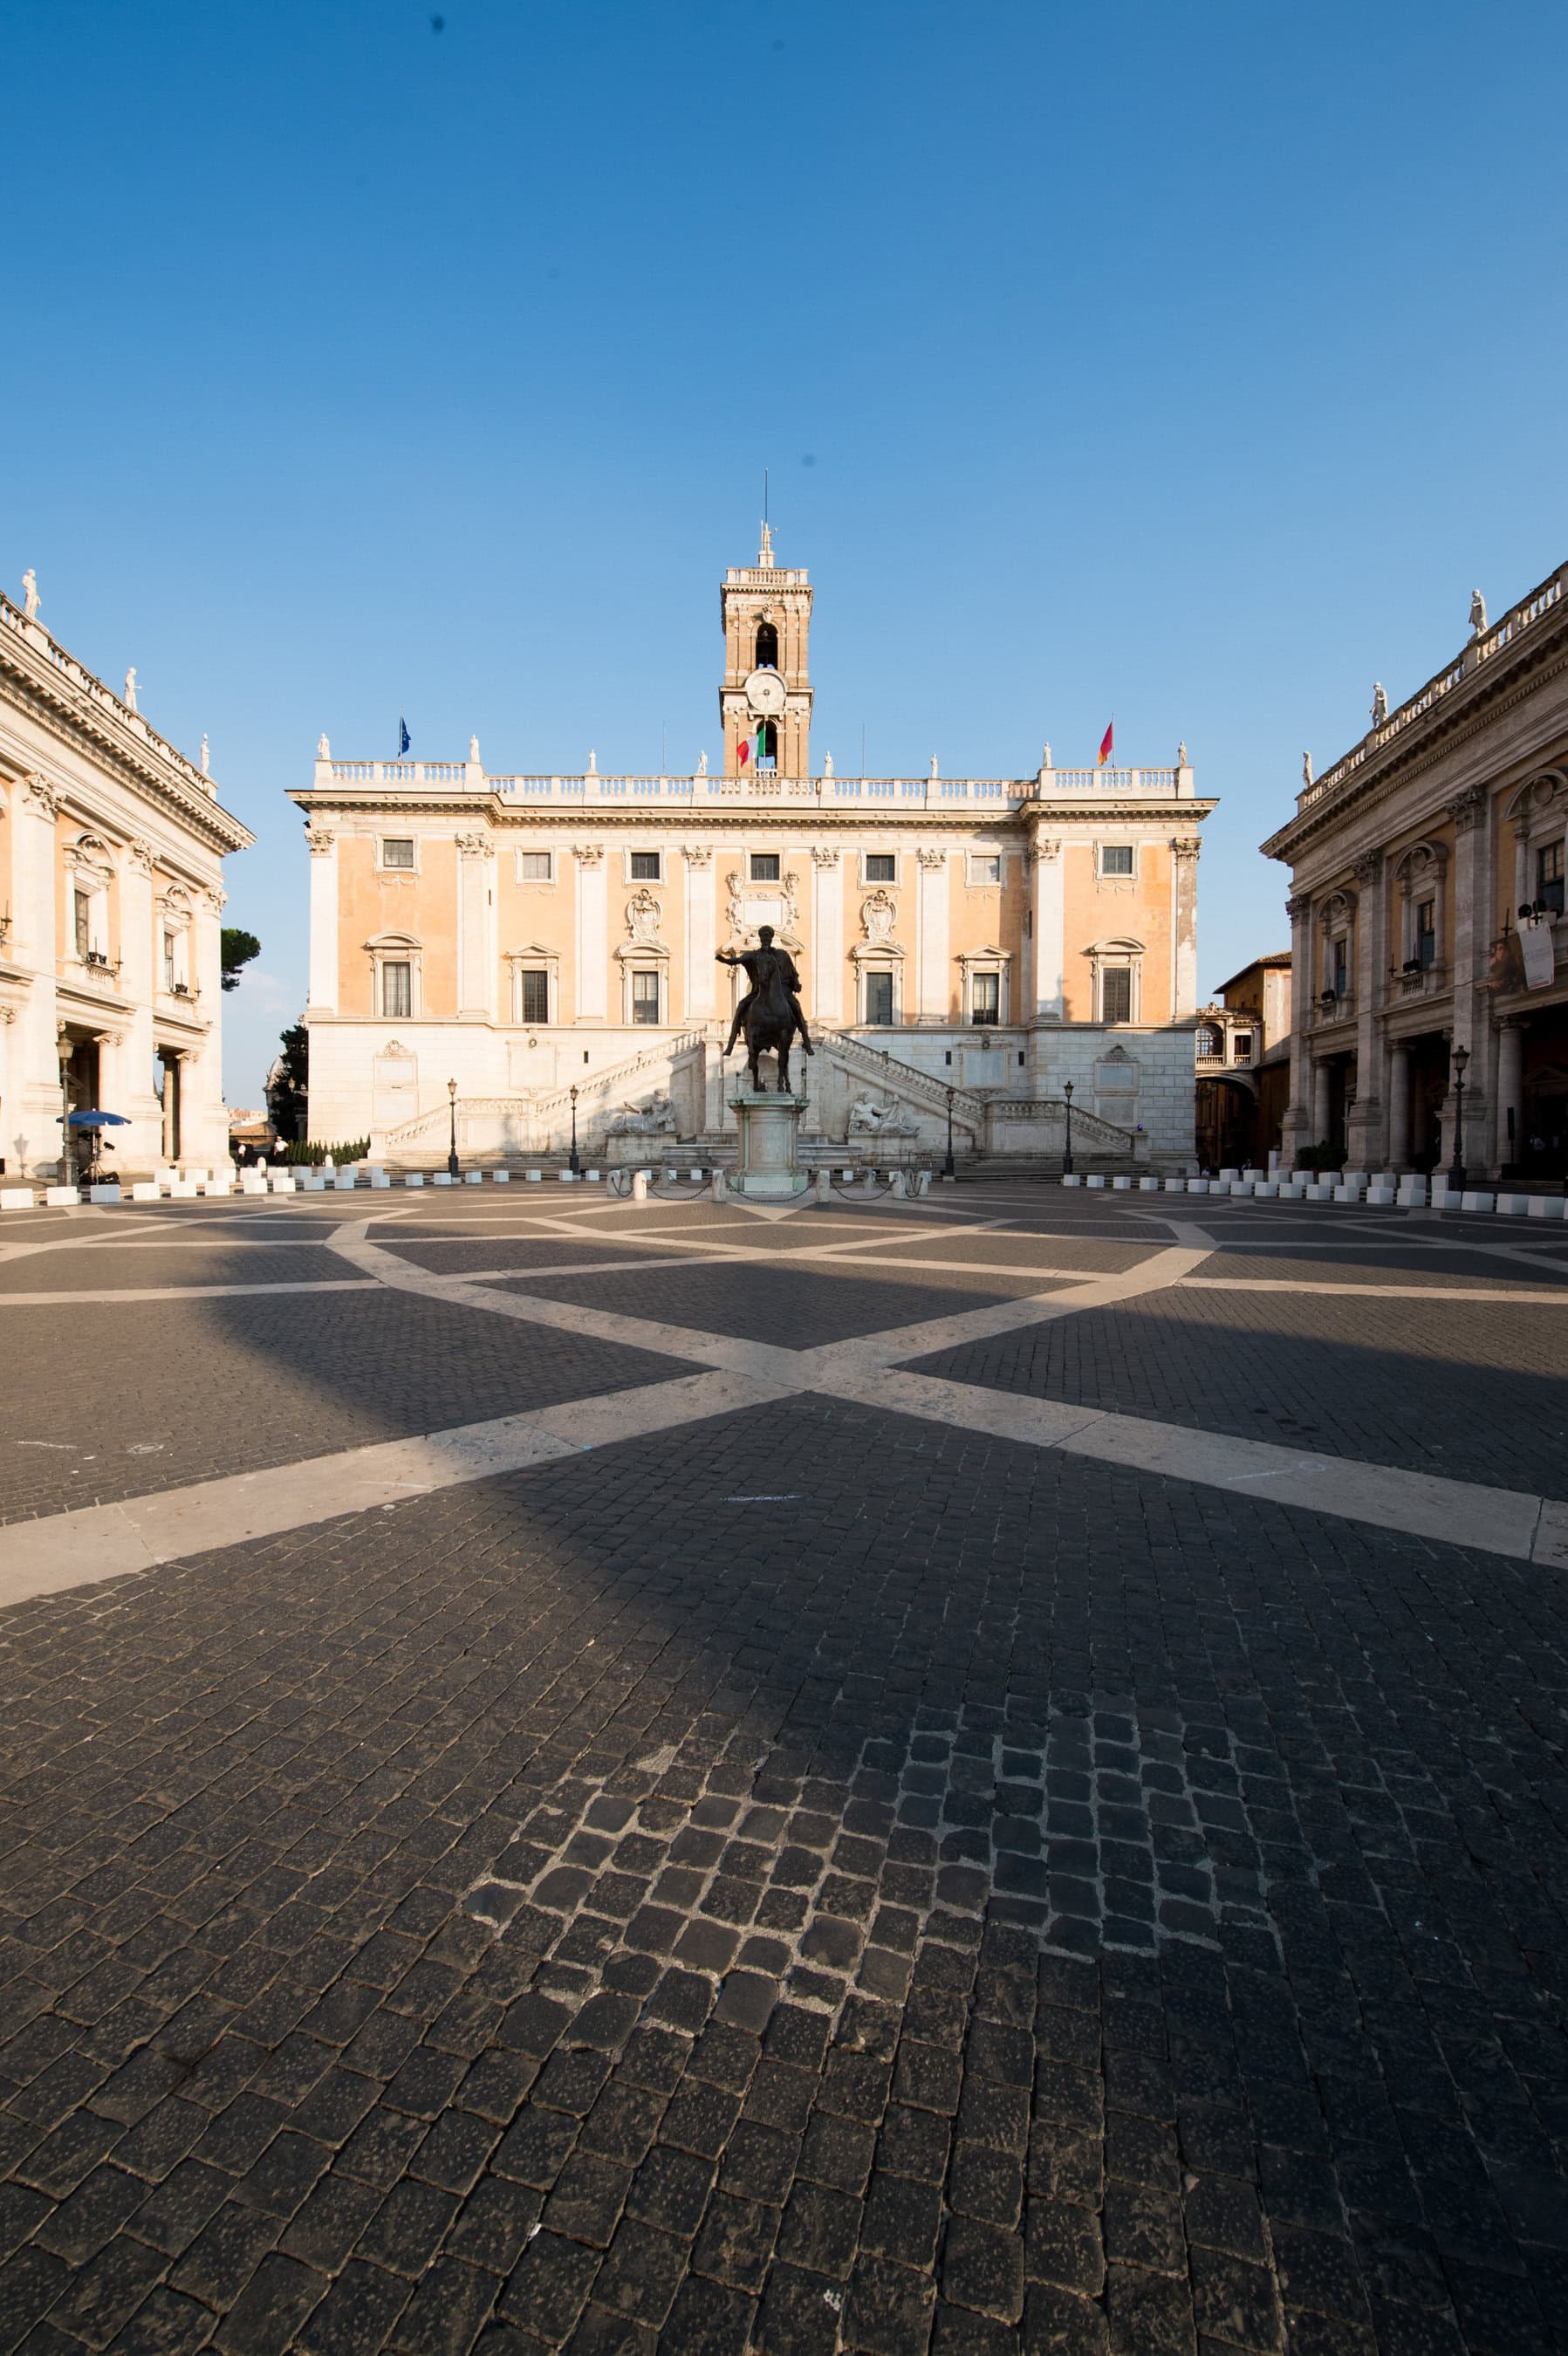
(763, 964)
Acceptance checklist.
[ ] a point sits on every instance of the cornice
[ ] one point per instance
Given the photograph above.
(509, 816)
(53, 703)
(1457, 721)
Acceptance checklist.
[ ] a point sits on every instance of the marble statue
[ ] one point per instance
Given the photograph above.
(593, 762)
(1379, 703)
(868, 1119)
(205, 757)
(827, 764)
(323, 749)
(130, 688)
(1181, 757)
(701, 764)
(1306, 768)
(31, 593)
(473, 749)
(1478, 613)
(654, 1118)
(1046, 761)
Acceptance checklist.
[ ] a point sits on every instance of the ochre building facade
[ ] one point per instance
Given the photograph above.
(529, 935)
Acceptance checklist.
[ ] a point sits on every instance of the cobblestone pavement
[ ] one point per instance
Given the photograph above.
(814, 1879)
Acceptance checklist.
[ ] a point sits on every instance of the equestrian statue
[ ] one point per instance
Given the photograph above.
(770, 1015)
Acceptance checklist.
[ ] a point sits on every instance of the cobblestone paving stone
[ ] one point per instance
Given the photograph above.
(794, 1307)
(1384, 1264)
(232, 1385)
(1474, 1392)
(820, 1881)
(106, 1270)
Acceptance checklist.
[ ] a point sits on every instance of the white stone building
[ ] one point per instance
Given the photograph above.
(111, 846)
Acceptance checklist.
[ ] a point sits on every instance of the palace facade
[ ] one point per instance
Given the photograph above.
(111, 846)
(548, 943)
(1429, 939)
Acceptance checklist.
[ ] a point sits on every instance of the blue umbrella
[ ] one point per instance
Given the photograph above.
(98, 1121)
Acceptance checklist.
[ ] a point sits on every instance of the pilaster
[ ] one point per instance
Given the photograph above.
(323, 842)
(1048, 924)
(1184, 849)
(1296, 1121)
(932, 981)
(1366, 1124)
(827, 934)
(700, 939)
(476, 988)
(592, 932)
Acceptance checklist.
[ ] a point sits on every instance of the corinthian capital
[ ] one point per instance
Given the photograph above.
(932, 859)
(825, 855)
(321, 840)
(1185, 847)
(588, 854)
(472, 846)
(40, 796)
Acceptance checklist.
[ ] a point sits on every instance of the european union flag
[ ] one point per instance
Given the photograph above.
(403, 739)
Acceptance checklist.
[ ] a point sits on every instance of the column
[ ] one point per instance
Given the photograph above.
(1293, 1120)
(1471, 952)
(204, 1124)
(1184, 924)
(592, 937)
(138, 982)
(32, 1133)
(1321, 1098)
(323, 842)
(933, 986)
(474, 962)
(1365, 1125)
(1399, 1105)
(700, 941)
(1511, 1093)
(826, 1002)
(1048, 909)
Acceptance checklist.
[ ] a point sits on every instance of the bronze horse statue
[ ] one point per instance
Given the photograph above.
(769, 1013)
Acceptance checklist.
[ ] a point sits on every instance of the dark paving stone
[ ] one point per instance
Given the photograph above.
(794, 1307)
(106, 1268)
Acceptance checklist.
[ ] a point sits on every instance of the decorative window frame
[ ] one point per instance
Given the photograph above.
(751, 874)
(90, 868)
(1103, 874)
(1421, 873)
(869, 883)
(533, 953)
(878, 957)
(995, 961)
(1538, 812)
(174, 916)
(644, 850)
(536, 851)
(644, 957)
(1336, 922)
(1118, 954)
(397, 948)
(986, 882)
(385, 867)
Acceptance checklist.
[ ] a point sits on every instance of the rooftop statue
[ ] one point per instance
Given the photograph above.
(1306, 768)
(1478, 613)
(1379, 703)
(130, 688)
(31, 593)
(205, 756)
(701, 764)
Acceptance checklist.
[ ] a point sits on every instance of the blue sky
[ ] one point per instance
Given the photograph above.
(1190, 363)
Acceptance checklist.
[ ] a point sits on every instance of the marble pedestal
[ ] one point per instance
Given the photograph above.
(767, 1169)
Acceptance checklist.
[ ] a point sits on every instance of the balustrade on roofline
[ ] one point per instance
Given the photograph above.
(926, 793)
(1479, 650)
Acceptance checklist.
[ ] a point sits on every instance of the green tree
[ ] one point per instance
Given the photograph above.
(288, 1085)
(238, 947)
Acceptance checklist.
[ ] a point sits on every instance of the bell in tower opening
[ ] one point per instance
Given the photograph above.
(767, 646)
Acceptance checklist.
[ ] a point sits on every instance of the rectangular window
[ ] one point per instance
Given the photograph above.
(645, 996)
(535, 994)
(1548, 875)
(1116, 994)
(764, 867)
(84, 924)
(397, 990)
(1426, 933)
(397, 850)
(646, 866)
(879, 997)
(1241, 1047)
(1116, 859)
(168, 962)
(1341, 969)
(985, 998)
(534, 867)
(986, 868)
(881, 867)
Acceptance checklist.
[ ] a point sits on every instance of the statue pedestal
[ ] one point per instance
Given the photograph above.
(768, 1167)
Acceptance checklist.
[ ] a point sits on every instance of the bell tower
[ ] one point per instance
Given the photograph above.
(766, 612)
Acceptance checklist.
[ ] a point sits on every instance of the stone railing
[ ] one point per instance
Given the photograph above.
(761, 786)
(907, 1079)
(85, 688)
(1479, 650)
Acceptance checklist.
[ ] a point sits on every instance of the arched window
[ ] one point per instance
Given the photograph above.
(1207, 1040)
(767, 745)
(767, 646)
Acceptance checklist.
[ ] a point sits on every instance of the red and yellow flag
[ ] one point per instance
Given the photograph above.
(1107, 746)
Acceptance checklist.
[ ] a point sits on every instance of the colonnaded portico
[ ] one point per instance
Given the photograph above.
(530, 935)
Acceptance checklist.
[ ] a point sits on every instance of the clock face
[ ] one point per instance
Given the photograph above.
(765, 693)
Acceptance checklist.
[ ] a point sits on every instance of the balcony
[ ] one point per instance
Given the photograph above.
(1330, 1007)
(1415, 981)
(93, 970)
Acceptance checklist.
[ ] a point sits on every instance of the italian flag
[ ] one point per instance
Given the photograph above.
(1107, 746)
(746, 752)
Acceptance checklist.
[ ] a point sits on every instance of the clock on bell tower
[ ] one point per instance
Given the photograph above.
(766, 612)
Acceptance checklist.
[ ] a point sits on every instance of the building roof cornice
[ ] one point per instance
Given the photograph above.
(39, 678)
(1497, 670)
(507, 815)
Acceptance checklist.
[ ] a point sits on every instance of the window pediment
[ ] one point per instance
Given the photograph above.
(393, 943)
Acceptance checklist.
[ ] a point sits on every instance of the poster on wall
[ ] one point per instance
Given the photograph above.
(1535, 941)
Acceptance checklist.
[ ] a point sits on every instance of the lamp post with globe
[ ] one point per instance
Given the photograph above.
(452, 1150)
(575, 1166)
(1066, 1150)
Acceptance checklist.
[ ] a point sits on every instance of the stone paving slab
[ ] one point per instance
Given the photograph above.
(107, 1268)
(978, 1902)
(794, 1307)
(1439, 1269)
(458, 1255)
(1477, 1393)
(169, 1392)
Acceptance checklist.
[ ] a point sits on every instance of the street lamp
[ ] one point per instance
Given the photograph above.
(575, 1166)
(452, 1151)
(1067, 1151)
(1456, 1170)
(948, 1171)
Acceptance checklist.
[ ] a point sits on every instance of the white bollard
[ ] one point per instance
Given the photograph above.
(106, 1193)
(1265, 1188)
(282, 1182)
(640, 1185)
(62, 1198)
(1347, 1194)
(1097, 1181)
(1541, 1206)
(1477, 1202)
(824, 1184)
(473, 1177)
(1380, 1198)
(1120, 1185)
(721, 1191)
(1513, 1206)
(500, 1177)
(1148, 1185)
(380, 1178)
(22, 1198)
(534, 1177)
(897, 1186)
(146, 1190)
(185, 1190)
(441, 1177)
(1071, 1178)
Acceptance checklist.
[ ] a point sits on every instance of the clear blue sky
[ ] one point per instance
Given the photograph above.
(1192, 364)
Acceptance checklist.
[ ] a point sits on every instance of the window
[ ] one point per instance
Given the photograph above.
(767, 745)
(646, 866)
(985, 867)
(84, 905)
(1116, 859)
(397, 850)
(645, 996)
(1241, 1047)
(1548, 875)
(535, 867)
(1426, 933)
(985, 999)
(535, 994)
(1116, 994)
(881, 867)
(1340, 966)
(764, 867)
(169, 974)
(879, 997)
(1208, 1039)
(767, 646)
(397, 989)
